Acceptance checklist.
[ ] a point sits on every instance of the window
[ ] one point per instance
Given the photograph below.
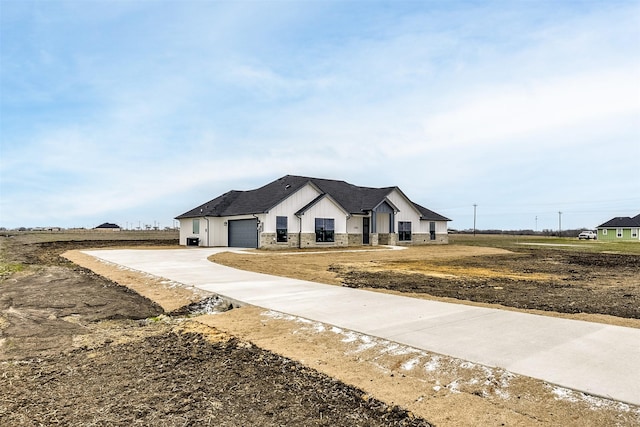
(619, 232)
(634, 233)
(404, 231)
(604, 232)
(196, 226)
(281, 228)
(324, 229)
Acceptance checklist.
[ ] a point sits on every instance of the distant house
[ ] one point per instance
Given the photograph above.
(620, 228)
(107, 226)
(298, 211)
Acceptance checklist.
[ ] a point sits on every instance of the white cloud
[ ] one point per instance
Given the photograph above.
(500, 114)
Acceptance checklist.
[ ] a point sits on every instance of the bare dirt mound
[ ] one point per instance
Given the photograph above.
(42, 309)
(177, 379)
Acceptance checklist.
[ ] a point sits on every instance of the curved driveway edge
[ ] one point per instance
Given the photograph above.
(594, 358)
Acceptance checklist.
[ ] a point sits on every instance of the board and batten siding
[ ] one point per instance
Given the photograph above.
(406, 210)
(186, 230)
(409, 213)
(214, 231)
(325, 208)
(288, 208)
(354, 224)
(425, 226)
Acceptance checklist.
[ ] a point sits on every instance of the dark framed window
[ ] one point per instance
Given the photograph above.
(281, 228)
(404, 231)
(325, 229)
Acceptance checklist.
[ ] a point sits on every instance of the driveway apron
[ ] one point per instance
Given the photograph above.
(594, 358)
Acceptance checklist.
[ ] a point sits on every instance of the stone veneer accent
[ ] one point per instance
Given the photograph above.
(268, 240)
(373, 239)
(425, 239)
(355, 239)
(387, 239)
(309, 240)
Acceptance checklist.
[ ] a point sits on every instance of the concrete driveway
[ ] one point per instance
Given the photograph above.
(594, 358)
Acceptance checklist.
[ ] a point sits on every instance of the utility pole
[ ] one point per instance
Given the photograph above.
(474, 219)
(536, 223)
(559, 224)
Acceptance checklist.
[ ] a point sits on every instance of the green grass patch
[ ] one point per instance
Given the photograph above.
(557, 243)
(8, 268)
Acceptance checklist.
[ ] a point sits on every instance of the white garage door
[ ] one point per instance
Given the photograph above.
(243, 233)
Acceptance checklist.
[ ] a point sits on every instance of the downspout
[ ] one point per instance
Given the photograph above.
(257, 228)
(299, 232)
(208, 230)
(346, 227)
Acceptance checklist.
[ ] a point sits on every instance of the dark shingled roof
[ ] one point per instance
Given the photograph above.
(429, 214)
(622, 221)
(108, 225)
(352, 198)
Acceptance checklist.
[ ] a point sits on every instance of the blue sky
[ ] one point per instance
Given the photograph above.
(136, 111)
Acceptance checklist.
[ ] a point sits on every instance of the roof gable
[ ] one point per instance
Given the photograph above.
(386, 206)
(317, 200)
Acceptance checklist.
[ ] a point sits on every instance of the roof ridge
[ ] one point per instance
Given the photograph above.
(354, 199)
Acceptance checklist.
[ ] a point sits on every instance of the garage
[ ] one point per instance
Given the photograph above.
(243, 233)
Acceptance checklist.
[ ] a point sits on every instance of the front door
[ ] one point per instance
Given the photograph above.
(365, 231)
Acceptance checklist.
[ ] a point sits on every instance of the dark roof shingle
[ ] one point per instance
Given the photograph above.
(354, 199)
(622, 221)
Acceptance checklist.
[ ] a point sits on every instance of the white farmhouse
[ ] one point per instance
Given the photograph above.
(301, 212)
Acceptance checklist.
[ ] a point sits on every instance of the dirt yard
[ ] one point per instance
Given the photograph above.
(79, 349)
(114, 347)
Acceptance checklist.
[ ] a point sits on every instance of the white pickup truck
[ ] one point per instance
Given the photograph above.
(588, 235)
